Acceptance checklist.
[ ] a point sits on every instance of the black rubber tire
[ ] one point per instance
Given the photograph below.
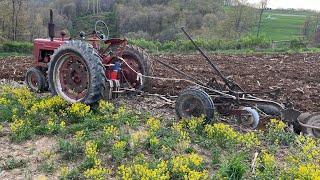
(41, 80)
(93, 62)
(201, 101)
(144, 63)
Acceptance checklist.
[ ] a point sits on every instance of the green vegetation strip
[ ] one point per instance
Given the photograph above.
(115, 142)
(10, 54)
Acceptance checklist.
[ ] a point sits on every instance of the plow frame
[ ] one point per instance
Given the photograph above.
(230, 95)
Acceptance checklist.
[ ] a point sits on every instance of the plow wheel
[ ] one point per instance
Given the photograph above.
(194, 102)
(136, 62)
(35, 80)
(250, 117)
(313, 120)
(76, 73)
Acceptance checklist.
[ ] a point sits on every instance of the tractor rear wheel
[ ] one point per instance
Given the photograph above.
(76, 73)
(195, 102)
(136, 61)
(35, 80)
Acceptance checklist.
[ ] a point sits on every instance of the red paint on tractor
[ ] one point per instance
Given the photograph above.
(44, 45)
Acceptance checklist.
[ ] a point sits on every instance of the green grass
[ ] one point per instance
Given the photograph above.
(8, 54)
(293, 12)
(282, 27)
(284, 24)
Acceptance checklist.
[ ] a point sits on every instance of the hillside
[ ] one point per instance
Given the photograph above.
(224, 27)
(284, 24)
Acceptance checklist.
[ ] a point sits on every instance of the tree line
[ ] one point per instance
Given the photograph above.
(156, 20)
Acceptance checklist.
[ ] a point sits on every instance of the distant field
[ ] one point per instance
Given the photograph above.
(284, 24)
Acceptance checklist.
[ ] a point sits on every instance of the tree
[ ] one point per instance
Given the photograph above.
(310, 30)
(228, 2)
(95, 5)
(3, 18)
(317, 21)
(262, 7)
(239, 20)
(14, 17)
(307, 29)
(316, 31)
(36, 27)
(17, 6)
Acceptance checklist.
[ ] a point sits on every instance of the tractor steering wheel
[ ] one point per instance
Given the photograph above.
(99, 28)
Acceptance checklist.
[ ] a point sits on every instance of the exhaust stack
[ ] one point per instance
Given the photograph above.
(51, 26)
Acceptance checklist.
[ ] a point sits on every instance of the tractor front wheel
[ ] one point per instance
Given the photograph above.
(35, 80)
(76, 73)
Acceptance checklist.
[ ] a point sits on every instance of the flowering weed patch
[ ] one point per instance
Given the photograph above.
(108, 142)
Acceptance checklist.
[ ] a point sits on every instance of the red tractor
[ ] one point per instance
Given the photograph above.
(83, 71)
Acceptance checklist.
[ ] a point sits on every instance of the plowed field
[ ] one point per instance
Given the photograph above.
(297, 75)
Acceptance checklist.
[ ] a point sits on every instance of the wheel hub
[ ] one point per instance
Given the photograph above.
(247, 119)
(193, 107)
(33, 81)
(73, 77)
(76, 77)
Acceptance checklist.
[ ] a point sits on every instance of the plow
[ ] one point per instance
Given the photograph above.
(97, 67)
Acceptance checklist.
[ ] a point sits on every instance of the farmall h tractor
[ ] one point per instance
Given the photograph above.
(83, 71)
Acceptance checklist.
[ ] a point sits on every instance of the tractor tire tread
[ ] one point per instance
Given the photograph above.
(40, 77)
(201, 95)
(144, 61)
(94, 64)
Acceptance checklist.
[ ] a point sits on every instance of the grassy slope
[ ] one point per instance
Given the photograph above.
(284, 24)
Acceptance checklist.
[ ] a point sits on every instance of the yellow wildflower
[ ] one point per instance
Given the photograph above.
(78, 110)
(91, 150)
(64, 171)
(97, 173)
(153, 124)
(105, 107)
(249, 139)
(195, 159)
(16, 125)
(111, 130)
(62, 124)
(79, 136)
(153, 141)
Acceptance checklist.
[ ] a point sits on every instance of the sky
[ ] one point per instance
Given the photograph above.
(296, 4)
